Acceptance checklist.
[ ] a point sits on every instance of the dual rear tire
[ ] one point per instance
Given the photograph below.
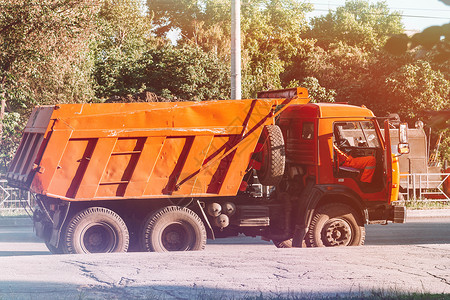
(101, 230)
(96, 230)
(173, 228)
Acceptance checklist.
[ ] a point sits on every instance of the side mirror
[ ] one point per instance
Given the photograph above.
(403, 148)
(403, 145)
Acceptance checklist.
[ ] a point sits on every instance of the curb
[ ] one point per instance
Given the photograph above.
(428, 213)
(16, 222)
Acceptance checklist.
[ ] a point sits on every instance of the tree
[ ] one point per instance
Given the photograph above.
(342, 68)
(37, 38)
(125, 32)
(357, 23)
(416, 88)
(317, 93)
(185, 72)
(44, 55)
(270, 31)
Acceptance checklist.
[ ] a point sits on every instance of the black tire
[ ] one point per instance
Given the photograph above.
(272, 156)
(336, 224)
(53, 249)
(286, 243)
(96, 230)
(283, 244)
(173, 228)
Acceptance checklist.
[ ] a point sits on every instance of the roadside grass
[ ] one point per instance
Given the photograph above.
(221, 295)
(416, 205)
(379, 294)
(19, 212)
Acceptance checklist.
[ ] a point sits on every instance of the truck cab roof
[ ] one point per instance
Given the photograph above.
(326, 110)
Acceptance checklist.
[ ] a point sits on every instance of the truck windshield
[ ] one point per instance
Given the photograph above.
(356, 134)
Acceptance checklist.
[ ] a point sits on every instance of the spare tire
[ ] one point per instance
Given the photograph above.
(272, 156)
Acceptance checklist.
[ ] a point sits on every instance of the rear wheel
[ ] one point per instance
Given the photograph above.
(173, 228)
(53, 249)
(336, 224)
(96, 230)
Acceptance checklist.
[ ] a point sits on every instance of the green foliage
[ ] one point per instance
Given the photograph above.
(44, 58)
(341, 68)
(17, 94)
(357, 23)
(13, 125)
(317, 93)
(444, 153)
(270, 30)
(416, 88)
(124, 34)
(185, 72)
(45, 44)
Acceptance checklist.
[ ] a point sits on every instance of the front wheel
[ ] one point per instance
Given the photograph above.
(336, 224)
(173, 228)
(96, 230)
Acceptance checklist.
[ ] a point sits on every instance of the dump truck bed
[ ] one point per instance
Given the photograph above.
(81, 152)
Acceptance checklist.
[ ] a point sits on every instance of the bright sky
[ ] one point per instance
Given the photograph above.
(417, 14)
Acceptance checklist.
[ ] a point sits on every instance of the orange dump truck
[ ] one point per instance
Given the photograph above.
(167, 176)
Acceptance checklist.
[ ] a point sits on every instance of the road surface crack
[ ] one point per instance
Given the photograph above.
(304, 274)
(83, 267)
(124, 281)
(395, 269)
(444, 280)
(282, 269)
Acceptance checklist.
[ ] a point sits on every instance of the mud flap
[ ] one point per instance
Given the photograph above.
(308, 201)
(59, 219)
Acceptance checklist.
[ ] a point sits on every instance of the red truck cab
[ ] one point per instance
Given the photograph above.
(313, 133)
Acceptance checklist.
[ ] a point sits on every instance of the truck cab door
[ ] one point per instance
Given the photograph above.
(388, 159)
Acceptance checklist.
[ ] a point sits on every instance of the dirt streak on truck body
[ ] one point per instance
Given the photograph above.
(165, 176)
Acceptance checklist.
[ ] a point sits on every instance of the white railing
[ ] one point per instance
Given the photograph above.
(13, 199)
(424, 186)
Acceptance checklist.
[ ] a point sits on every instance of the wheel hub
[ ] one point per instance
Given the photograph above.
(95, 239)
(98, 238)
(174, 237)
(337, 232)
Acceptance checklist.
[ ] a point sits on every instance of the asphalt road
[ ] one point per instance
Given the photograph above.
(411, 257)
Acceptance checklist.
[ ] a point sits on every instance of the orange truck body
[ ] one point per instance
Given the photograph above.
(140, 150)
(168, 173)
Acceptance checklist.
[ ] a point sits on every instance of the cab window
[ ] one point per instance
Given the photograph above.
(359, 134)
